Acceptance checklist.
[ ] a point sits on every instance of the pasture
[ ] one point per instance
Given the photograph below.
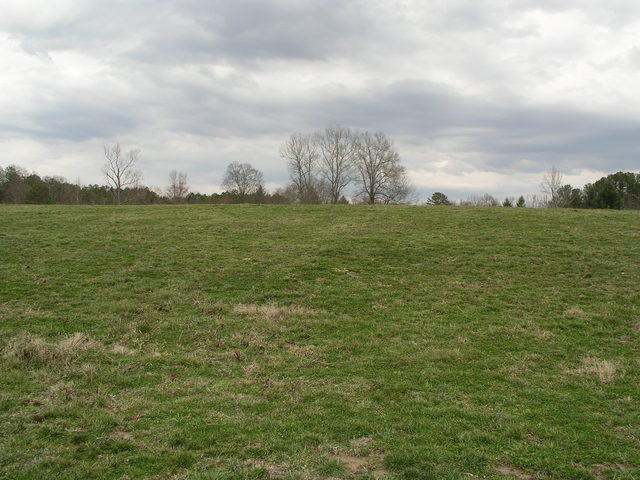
(319, 342)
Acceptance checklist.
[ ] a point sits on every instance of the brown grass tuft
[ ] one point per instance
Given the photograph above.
(78, 342)
(273, 311)
(307, 351)
(606, 370)
(26, 347)
(122, 350)
(574, 312)
(118, 435)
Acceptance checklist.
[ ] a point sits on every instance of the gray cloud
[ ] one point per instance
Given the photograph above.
(484, 86)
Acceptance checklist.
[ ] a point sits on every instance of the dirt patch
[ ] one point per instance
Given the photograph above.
(361, 442)
(274, 471)
(121, 436)
(533, 439)
(574, 312)
(511, 471)
(601, 471)
(359, 458)
(354, 465)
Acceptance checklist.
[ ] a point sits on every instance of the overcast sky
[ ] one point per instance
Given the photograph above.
(478, 95)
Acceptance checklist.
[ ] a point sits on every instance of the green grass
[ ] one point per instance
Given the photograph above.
(300, 342)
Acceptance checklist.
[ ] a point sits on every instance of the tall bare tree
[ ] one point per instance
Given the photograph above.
(120, 169)
(337, 153)
(178, 187)
(242, 179)
(78, 190)
(302, 157)
(381, 178)
(551, 185)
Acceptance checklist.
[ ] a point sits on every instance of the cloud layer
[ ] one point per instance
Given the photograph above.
(479, 96)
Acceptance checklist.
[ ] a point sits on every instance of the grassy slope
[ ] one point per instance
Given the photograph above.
(317, 342)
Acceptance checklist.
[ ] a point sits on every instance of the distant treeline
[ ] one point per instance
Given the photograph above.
(619, 190)
(21, 187)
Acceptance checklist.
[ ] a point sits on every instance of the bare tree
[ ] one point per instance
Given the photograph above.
(551, 185)
(120, 170)
(381, 178)
(337, 152)
(537, 201)
(302, 157)
(242, 179)
(78, 190)
(178, 187)
(484, 200)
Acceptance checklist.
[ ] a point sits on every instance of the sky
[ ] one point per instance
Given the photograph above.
(478, 95)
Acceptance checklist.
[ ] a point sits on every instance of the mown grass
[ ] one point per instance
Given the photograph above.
(300, 342)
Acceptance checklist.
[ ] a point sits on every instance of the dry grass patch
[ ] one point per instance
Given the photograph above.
(574, 312)
(307, 351)
(273, 311)
(17, 310)
(252, 339)
(606, 370)
(26, 347)
(527, 328)
(122, 350)
(252, 369)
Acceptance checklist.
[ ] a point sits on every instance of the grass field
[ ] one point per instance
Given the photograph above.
(301, 342)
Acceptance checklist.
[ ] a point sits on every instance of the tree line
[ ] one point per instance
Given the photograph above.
(18, 186)
(323, 167)
(619, 190)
